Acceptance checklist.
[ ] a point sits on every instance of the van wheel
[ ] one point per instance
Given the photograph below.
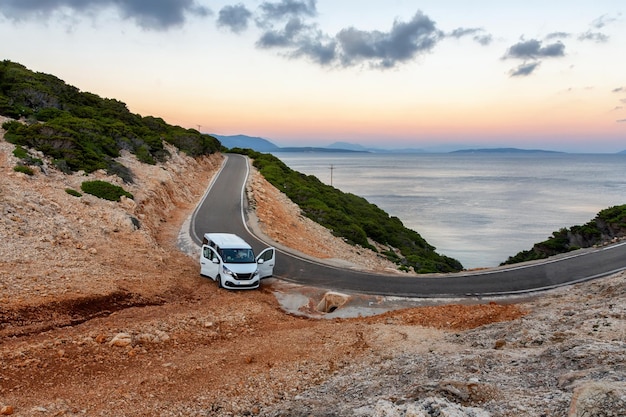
(219, 282)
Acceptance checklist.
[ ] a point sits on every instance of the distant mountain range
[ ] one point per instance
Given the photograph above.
(263, 145)
(247, 142)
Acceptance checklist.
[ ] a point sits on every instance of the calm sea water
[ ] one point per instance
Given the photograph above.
(477, 208)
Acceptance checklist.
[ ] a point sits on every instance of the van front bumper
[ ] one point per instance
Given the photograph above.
(242, 284)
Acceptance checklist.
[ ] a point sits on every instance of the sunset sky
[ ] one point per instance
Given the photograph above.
(437, 75)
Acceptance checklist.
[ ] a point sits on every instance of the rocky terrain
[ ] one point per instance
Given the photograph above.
(102, 314)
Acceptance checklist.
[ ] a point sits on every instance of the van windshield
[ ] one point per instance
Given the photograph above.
(238, 256)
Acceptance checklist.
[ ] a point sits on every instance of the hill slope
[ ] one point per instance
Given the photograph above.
(81, 131)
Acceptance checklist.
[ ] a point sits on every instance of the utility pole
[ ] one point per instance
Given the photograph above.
(332, 167)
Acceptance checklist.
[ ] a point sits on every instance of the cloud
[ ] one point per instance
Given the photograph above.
(155, 14)
(618, 90)
(318, 51)
(558, 35)
(533, 49)
(402, 43)
(524, 69)
(593, 36)
(350, 46)
(286, 9)
(621, 121)
(288, 36)
(234, 17)
(477, 35)
(301, 40)
(602, 21)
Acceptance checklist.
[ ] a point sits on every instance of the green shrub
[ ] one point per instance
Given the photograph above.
(24, 169)
(105, 190)
(73, 192)
(20, 152)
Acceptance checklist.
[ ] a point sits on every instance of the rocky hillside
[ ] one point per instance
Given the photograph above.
(101, 314)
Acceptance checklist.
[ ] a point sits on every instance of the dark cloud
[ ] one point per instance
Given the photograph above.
(322, 53)
(350, 46)
(402, 43)
(524, 69)
(155, 14)
(234, 17)
(286, 9)
(533, 49)
(288, 36)
(285, 26)
(300, 40)
(477, 34)
(618, 90)
(531, 52)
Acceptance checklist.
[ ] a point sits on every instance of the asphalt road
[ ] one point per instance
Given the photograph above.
(224, 209)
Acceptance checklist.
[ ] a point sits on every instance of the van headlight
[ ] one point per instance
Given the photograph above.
(256, 272)
(229, 272)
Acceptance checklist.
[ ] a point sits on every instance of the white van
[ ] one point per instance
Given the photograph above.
(229, 260)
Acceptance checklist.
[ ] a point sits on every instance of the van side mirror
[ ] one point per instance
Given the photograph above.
(260, 261)
(216, 261)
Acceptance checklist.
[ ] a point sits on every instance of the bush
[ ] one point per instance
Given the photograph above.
(105, 190)
(73, 192)
(24, 170)
(20, 152)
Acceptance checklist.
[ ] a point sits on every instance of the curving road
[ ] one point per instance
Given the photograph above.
(224, 209)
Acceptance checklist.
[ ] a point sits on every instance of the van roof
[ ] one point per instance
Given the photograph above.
(227, 240)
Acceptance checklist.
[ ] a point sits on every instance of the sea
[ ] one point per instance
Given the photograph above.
(479, 208)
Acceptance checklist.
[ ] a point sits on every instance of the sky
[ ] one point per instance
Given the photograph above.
(432, 74)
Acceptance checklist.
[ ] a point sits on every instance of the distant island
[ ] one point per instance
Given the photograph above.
(259, 144)
(504, 150)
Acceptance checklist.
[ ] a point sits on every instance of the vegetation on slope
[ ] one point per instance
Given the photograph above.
(608, 224)
(352, 217)
(81, 131)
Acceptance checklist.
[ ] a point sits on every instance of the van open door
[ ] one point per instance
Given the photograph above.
(209, 262)
(266, 261)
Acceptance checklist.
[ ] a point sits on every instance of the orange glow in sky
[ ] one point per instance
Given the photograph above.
(548, 75)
